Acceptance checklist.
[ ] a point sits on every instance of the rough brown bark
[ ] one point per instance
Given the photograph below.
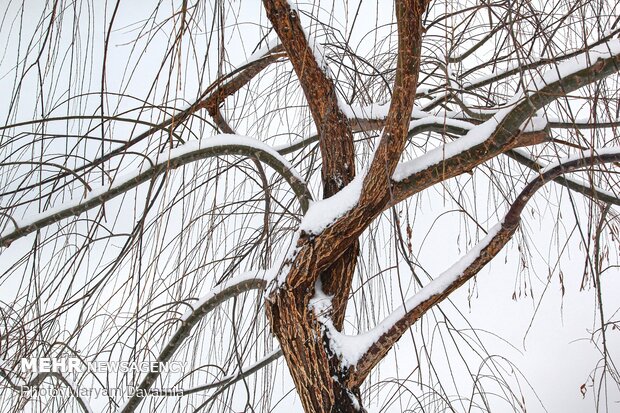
(335, 136)
(319, 377)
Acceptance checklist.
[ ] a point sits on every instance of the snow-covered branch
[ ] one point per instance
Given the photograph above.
(514, 70)
(192, 151)
(501, 132)
(570, 182)
(362, 352)
(252, 280)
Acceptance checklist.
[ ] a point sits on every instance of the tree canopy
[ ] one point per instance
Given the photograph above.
(286, 197)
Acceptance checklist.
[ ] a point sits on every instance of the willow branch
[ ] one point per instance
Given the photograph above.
(213, 96)
(190, 152)
(238, 285)
(396, 324)
(498, 134)
(335, 137)
(394, 137)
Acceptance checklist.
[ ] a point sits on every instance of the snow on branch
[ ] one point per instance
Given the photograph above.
(322, 213)
(571, 182)
(251, 280)
(192, 151)
(500, 133)
(516, 69)
(362, 352)
(212, 96)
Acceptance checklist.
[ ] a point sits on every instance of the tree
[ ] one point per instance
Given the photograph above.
(119, 208)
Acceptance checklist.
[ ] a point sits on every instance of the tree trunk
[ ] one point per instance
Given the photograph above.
(317, 374)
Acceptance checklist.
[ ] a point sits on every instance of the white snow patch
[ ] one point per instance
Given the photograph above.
(322, 213)
(534, 124)
(262, 51)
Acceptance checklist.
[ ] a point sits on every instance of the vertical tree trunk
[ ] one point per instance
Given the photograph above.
(317, 375)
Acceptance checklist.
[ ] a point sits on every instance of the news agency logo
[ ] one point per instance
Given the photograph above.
(76, 365)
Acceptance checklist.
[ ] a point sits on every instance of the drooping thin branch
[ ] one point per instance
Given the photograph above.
(212, 97)
(238, 285)
(225, 382)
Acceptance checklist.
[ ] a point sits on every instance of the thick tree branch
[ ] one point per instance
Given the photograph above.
(335, 137)
(500, 133)
(396, 324)
(409, 15)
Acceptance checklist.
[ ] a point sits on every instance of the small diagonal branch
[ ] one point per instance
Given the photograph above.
(40, 378)
(225, 382)
(238, 285)
(383, 337)
(220, 91)
(190, 152)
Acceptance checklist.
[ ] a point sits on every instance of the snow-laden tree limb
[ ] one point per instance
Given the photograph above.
(500, 133)
(219, 145)
(373, 117)
(33, 384)
(252, 280)
(570, 182)
(368, 349)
